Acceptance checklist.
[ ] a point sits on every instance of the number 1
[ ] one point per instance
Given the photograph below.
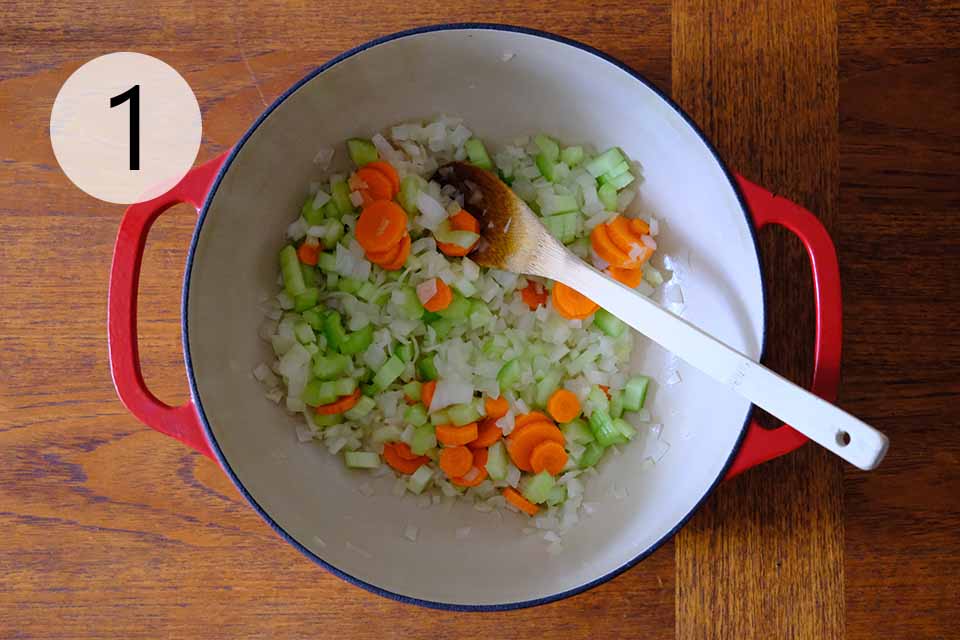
(133, 95)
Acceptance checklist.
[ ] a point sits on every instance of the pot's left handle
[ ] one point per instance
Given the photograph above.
(180, 422)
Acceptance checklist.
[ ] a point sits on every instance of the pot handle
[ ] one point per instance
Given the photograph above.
(761, 444)
(180, 422)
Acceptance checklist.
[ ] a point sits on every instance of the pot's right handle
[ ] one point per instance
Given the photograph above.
(761, 444)
(181, 422)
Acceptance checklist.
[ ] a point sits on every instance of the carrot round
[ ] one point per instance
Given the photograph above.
(344, 403)
(487, 433)
(456, 461)
(453, 436)
(441, 299)
(513, 497)
(392, 457)
(534, 295)
(426, 393)
(622, 235)
(640, 227)
(381, 226)
(521, 446)
(477, 473)
(378, 185)
(629, 277)
(570, 304)
(563, 405)
(308, 254)
(403, 450)
(496, 407)
(401, 259)
(604, 247)
(387, 256)
(548, 456)
(525, 419)
(460, 221)
(480, 457)
(388, 172)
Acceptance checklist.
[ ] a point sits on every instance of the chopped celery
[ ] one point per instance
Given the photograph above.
(304, 332)
(480, 314)
(413, 389)
(442, 327)
(314, 318)
(416, 415)
(340, 195)
(552, 203)
(404, 351)
(327, 262)
(625, 428)
(548, 146)
(635, 393)
(292, 275)
(509, 375)
(311, 347)
(547, 167)
(333, 233)
(360, 410)
(419, 479)
(344, 386)
(618, 170)
(618, 182)
(572, 156)
(371, 293)
(426, 368)
(458, 310)
(603, 428)
(318, 392)
(310, 275)
(577, 431)
(591, 455)
(410, 188)
(324, 421)
(609, 323)
(604, 162)
(282, 344)
(616, 404)
(424, 439)
(497, 460)
(537, 489)
(464, 287)
(310, 214)
(362, 151)
(581, 247)
(477, 154)
(608, 197)
(557, 495)
(330, 366)
(562, 226)
(361, 459)
(332, 279)
(598, 399)
(461, 414)
(438, 418)
(349, 285)
(333, 330)
(306, 300)
(547, 386)
(331, 210)
(387, 433)
(358, 341)
(389, 372)
(406, 300)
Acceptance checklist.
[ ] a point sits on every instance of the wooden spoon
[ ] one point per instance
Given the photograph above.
(514, 239)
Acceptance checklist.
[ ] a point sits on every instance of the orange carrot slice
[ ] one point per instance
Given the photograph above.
(460, 221)
(629, 277)
(388, 172)
(487, 433)
(528, 418)
(308, 254)
(521, 446)
(454, 436)
(570, 304)
(477, 473)
(496, 407)
(548, 456)
(344, 403)
(426, 393)
(534, 295)
(378, 185)
(392, 458)
(387, 256)
(604, 247)
(403, 450)
(456, 461)
(640, 227)
(381, 226)
(441, 299)
(401, 259)
(513, 497)
(563, 405)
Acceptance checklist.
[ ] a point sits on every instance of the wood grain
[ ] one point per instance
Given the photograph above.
(764, 557)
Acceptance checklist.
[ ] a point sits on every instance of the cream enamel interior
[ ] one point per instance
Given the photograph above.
(545, 86)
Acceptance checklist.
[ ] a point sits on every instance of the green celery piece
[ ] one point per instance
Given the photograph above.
(362, 151)
(477, 154)
(605, 432)
(331, 211)
(416, 415)
(442, 327)
(311, 215)
(572, 156)
(333, 234)
(292, 275)
(635, 393)
(497, 461)
(404, 351)
(625, 428)
(620, 169)
(360, 410)
(548, 147)
(620, 181)
(409, 304)
(604, 162)
(608, 197)
(349, 285)
(371, 293)
(591, 456)
(426, 368)
(609, 323)
(509, 375)
(458, 310)
(424, 439)
(413, 390)
(304, 332)
(389, 372)
(361, 459)
(327, 262)
(546, 387)
(358, 341)
(333, 330)
(340, 195)
(547, 167)
(306, 300)
(537, 489)
(557, 495)
(562, 226)
(314, 317)
(330, 366)
(419, 479)
(463, 414)
(344, 386)
(616, 404)
(577, 431)
(318, 392)
(410, 188)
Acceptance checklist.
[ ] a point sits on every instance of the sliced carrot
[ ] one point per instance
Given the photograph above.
(378, 185)
(548, 456)
(460, 221)
(387, 256)
(487, 433)
(381, 226)
(605, 389)
(401, 258)
(476, 475)
(629, 277)
(392, 458)
(563, 405)
(640, 227)
(604, 247)
(309, 254)
(513, 497)
(344, 403)
(571, 304)
(456, 461)
(403, 450)
(622, 235)
(525, 419)
(441, 299)
(496, 407)
(534, 295)
(480, 457)
(533, 434)
(426, 393)
(389, 173)
(453, 436)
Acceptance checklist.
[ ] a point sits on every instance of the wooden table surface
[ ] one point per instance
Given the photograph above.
(110, 530)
